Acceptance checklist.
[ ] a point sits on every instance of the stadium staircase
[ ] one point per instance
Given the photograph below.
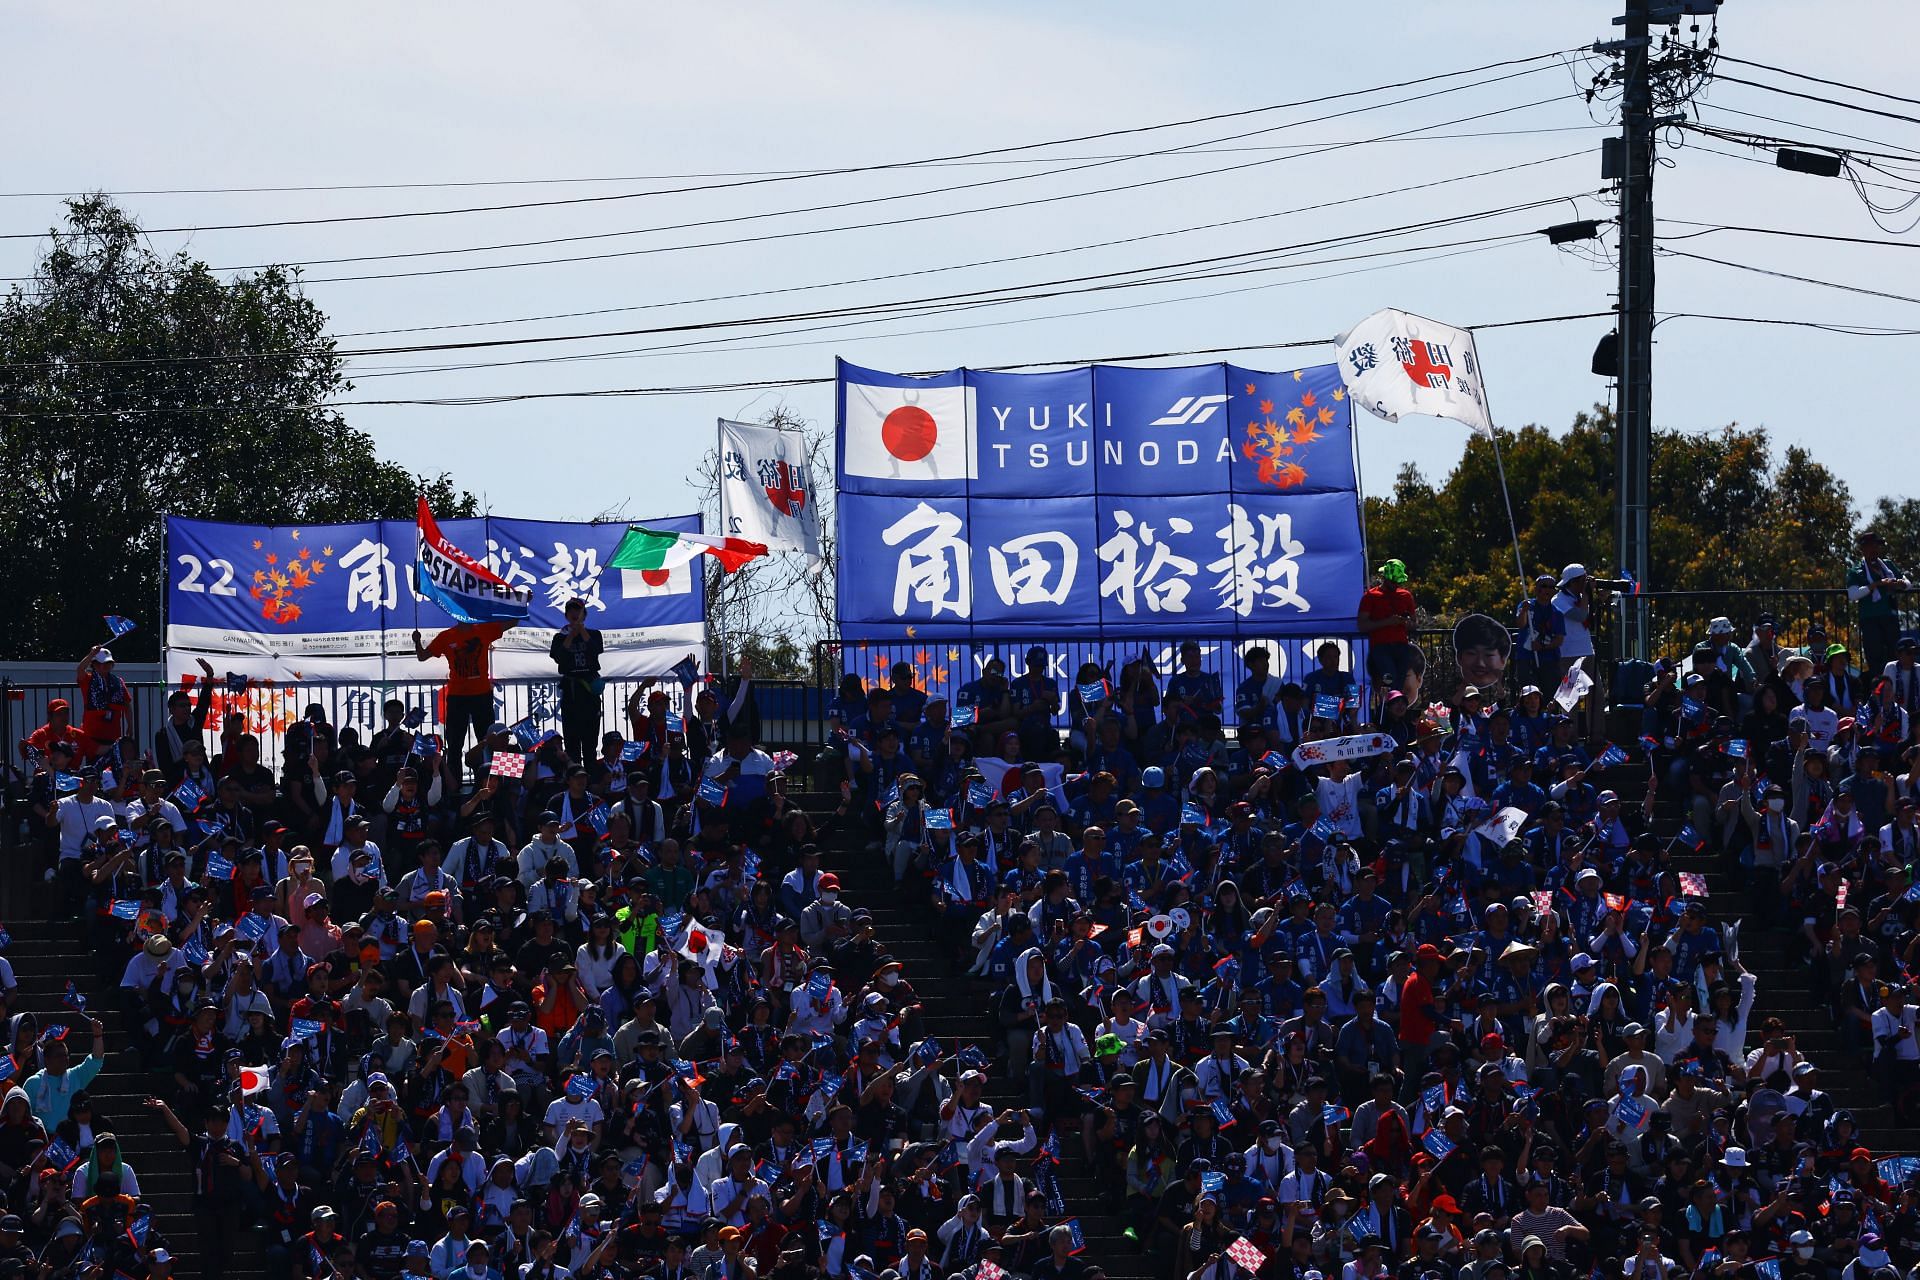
(46, 956)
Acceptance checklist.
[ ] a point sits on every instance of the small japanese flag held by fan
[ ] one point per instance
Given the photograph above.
(1245, 1253)
(1396, 363)
(252, 1080)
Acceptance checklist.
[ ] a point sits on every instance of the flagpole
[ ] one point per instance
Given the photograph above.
(1493, 434)
(1519, 563)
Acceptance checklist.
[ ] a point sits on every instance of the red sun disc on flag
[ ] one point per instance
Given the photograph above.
(909, 433)
(696, 941)
(654, 577)
(252, 1081)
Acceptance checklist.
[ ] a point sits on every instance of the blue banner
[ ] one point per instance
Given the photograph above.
(338, 602)
(1209, 500)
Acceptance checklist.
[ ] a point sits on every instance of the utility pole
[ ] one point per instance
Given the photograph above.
(1635, 418)
(1652, 89)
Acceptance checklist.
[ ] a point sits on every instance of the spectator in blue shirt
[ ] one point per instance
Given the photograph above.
(1036, 701)
(1257, 695)
(908, 701)
(1330, 680)
(1536, 657)
(1192, 691)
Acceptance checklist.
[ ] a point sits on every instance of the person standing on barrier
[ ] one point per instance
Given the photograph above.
(576, 653)
(1874, 584)
(468, 649)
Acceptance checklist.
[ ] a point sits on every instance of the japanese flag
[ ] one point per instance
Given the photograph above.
(908, 433)
(637, 584)
(252, 1080)
(1397, 363)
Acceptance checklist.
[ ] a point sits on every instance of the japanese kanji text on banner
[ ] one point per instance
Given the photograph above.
(1207, 500)
(339, 602)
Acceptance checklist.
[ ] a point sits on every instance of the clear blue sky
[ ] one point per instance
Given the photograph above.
(122, 96)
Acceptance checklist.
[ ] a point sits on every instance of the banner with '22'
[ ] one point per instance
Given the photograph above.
(1207, 500)
(337, 601)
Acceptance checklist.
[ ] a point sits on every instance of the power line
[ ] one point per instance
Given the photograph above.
(1834, 84)
(1049, 288)
(1796, 235)
(733, 343)
(985, 262)
(1814, 97)
(733, 387)
(1787, 275)
(119, 192)
(805, 233)
(849, 169)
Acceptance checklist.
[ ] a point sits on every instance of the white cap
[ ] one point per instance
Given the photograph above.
(1720, 627)
(1572, 573)
(106, 655)
(104, 821)
(1586, 874)
(1735, 1158)
(1582, 961)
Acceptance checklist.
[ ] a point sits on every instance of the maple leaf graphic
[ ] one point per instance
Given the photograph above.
(259, 576)
(953, 655)
(1248, 452)
(1339, 393)
(1305, 434)
(1249, 392)
(939, 675)
(922, 658)
(1308, 400)
(280, 580)
(1289, 474)
(1298, 374)
(296, 535)
(256, 544)
(289, 612)
(326, 551)
(318, 565)
(1326, 415)
(306, 553)
(1296, 417)
(272, 558)
(1266, 406)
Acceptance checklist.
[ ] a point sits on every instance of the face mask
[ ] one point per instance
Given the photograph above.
(890, 979)
(1776, 804)
(829, 898)
(1802, 1253)
(1273, 1144)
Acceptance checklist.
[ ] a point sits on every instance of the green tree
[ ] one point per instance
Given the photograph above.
(1725, 515)
(133, 386)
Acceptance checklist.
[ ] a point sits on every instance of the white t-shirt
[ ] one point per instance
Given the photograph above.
(1579, 641)
(563, 1109)
(76, 818)
(1886, 1024)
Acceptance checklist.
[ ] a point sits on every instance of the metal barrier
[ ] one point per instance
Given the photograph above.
(789, 711)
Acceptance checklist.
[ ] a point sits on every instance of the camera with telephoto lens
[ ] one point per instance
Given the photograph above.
(1621, 585)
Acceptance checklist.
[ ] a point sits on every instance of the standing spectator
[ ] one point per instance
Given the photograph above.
(468, 649)
(1386, 618)
(576, 653)
(1874, 584)
(1536, 658)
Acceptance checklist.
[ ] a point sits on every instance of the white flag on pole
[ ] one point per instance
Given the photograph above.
(1504, 827)
(1397, 363)
(766, 488)
(1573, 686)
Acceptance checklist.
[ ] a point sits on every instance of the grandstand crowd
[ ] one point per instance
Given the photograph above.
(1325, 974)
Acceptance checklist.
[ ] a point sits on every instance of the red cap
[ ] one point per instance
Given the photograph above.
(59, 704)
(1445, 1204)
(1860, 1153)
(829, 881)
(1427, 951)
(1492, 1042)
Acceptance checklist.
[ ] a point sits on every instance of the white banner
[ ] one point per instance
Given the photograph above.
(1504, 827)
(766, 488)
(1397, 363)
(1356, 746)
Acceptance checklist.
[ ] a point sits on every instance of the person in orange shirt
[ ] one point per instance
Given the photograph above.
(557, 1001)
(468, 650)
(58, 728)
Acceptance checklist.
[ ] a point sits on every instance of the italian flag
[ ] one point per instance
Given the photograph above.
(656, 550)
